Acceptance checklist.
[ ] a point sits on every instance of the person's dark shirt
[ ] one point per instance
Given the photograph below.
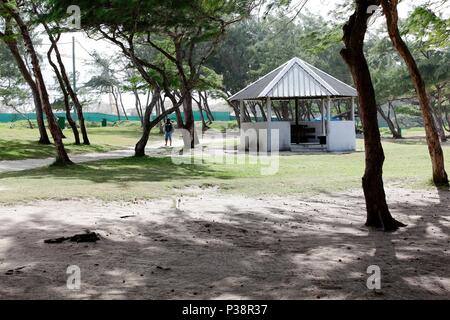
(168, 127)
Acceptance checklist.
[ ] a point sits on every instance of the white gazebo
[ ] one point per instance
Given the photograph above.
(297, 81)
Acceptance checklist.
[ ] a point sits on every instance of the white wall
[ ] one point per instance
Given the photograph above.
(257, 134)
(341, 136)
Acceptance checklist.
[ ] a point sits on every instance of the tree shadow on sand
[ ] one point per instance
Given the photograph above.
(234, 252)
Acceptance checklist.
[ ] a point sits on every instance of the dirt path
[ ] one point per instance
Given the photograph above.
(20, 165)
(217, 246)
(153, 149)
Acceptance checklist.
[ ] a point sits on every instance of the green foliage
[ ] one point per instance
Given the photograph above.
(12, 85)
(183, 32)
(430, 30)
(254, 47)
(389, 76)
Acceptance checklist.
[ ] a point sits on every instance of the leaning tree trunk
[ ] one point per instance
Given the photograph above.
(66, 82)
(149, 125)
(253, 110)
(61, 155)
(263, 113)
(138, 106)
(74, 97)
(146, 128)
(378, 214)
(285, 110)
(206, 107)
(202, 115)
(121, 104)
(12, 45)
(72, 123)
(439, 124)
(237, 112)
(440, 177)
(177, 111)
(396, 134)
(116, 103)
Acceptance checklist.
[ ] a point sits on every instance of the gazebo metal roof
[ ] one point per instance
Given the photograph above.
(295, 79)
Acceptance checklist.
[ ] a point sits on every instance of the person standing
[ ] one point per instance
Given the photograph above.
(168, 130)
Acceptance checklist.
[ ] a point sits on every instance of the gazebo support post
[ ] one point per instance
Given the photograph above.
(352, 114)
(329, 109)
(269, 125)
(328, 121)
(322, 115)
(241, 112)
(296, 127)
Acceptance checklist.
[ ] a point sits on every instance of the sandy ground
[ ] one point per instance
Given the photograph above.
(218, 246)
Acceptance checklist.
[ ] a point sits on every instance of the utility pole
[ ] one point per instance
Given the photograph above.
(74, 75)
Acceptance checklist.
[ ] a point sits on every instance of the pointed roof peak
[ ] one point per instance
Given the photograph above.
(295, 78)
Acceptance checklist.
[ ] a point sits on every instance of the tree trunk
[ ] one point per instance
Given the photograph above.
(25, 116)
(72, 123)
(378, 214)
(158, 113)
(439, 124)
(397, 124)
(12, 45)
(116, 103)
(121, 103)
(253, 110)
(149, 125)
(396, 134)
(180, 123)
(236, 112)
(206, 107)
(263, 113)
(200, 109)
(189, 123)
(440, 177)
(162, 109)
(65, 80)
(61, 157)
(138, 106)
(73, 95)
(285, 110)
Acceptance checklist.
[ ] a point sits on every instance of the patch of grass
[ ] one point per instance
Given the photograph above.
(23, 149)
(223, 126)
(151, 177)
(17, 142)
(418, 132)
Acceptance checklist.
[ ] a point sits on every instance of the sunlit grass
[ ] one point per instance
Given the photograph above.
(17, 142)
(406, 166)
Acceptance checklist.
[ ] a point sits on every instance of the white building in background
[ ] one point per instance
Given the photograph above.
(297, 80)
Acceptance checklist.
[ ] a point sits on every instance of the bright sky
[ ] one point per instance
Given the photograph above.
(84, 44)
(324, 7)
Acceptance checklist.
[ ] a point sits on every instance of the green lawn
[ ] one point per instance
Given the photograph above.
(415, 132)
(407, 165)
(18, 142)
